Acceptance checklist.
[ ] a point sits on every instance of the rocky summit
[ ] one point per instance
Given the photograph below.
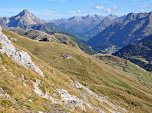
(24, 20)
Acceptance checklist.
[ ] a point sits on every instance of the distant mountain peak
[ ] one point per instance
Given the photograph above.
(88, 15)
(25, 12)
(24, 19)
(133, 16)
(125, 30)
(150, 13)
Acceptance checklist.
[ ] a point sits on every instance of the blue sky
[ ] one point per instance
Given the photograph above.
(52, 9)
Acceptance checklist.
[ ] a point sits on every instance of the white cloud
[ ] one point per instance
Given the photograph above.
(104, 9)
(99, 7)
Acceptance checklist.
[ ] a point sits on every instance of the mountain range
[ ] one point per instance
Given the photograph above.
(25, 20)
(128, 29)
(44, 70)
(84, 27)
(105, 34)
(100, 32)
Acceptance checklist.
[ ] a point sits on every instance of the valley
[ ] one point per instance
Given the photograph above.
(77, 64)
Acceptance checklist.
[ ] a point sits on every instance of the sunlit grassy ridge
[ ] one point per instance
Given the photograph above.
(132, 89)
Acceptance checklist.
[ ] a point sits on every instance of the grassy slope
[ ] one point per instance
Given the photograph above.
(10, 81)
(123, 88)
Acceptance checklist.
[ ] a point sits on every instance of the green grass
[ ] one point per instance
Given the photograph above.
(20, 95)
(124, 88)
(15, 88)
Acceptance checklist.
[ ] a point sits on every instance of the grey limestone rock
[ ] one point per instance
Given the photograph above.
(20, 56)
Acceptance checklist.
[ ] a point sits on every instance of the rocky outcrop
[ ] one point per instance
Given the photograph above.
(70, 101)
(19, 56)
(103, 100)
(66, 99)
(40, 93)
